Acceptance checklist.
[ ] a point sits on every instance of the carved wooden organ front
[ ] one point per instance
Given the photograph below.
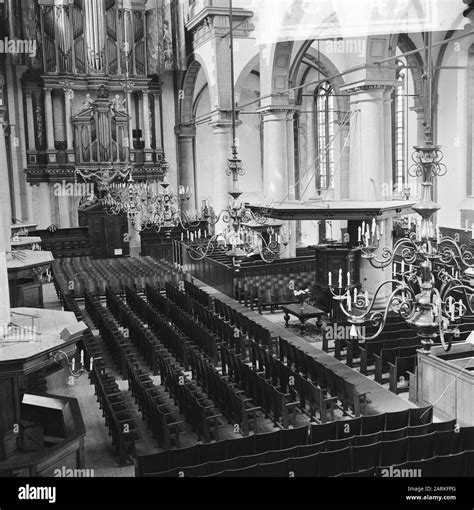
(92, 100)
(93, 37)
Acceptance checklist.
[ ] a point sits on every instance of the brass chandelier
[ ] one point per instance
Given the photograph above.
(428, 291)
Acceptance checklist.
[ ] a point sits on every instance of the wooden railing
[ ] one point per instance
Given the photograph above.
(223, 276)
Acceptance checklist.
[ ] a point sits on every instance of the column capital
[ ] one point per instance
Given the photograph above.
(213, 22)
(222, 119)
(184, 131)
(370, 86)
(277, 112)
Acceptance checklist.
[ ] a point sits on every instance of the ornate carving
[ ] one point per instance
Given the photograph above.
(119, 104)
(103, 92)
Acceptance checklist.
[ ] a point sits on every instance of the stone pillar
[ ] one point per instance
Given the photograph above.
(185, 136)
(222, 152)
(367, 159)
(368, 168)
(276, 152)
(290, 251)
(278, 161)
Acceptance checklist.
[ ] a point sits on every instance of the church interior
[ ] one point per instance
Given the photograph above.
(236, 238)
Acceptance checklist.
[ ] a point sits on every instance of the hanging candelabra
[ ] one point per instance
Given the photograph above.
(428, 291)
(150, 205)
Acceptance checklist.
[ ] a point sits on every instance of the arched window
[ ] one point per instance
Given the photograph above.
(399, 129)
(324, 105)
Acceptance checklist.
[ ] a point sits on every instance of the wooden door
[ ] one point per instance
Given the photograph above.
(108, 233)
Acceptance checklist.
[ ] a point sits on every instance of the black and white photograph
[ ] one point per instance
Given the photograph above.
(236, 241)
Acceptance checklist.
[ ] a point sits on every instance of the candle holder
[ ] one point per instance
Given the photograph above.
(59, 356)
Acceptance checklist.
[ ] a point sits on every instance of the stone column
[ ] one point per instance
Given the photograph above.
(222, 152)
(278, 161)
(185, 136)
(368, 168)
(290, 251)
(367, 159)
(276, 152)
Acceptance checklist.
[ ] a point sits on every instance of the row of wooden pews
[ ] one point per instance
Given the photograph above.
(236, 407)
(272, 290)
(393, 352)
(357, 447)
(198, 410)
(84, 274)
(115, 410)
(316, 380)
(160, 417)
(274, 395)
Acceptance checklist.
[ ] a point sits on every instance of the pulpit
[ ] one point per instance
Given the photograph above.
(37, 432)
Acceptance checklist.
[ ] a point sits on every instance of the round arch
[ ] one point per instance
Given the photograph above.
(186, 111)
(253, 64)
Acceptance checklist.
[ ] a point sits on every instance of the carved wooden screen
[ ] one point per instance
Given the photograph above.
(100, 133)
